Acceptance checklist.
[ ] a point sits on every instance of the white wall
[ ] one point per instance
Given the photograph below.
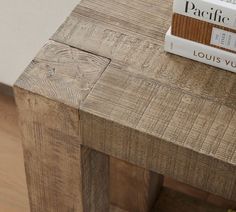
(25, 25)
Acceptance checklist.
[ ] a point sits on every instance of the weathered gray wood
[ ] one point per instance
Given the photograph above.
(141, 53)
(143, 17)
(188, 105)
(155, 110)
(62, 73)
(159, 128)
(61, 174)
(56, 163)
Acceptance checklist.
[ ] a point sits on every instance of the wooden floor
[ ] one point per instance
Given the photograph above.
(13, 192)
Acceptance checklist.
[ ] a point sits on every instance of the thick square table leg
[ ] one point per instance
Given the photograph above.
(133, 188)
(62, 175)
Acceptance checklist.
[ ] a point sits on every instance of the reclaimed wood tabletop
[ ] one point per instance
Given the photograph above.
(107, 84)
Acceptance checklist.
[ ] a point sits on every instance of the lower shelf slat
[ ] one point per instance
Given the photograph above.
(173, 201)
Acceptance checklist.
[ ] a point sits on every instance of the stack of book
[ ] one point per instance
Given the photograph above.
(205, 31)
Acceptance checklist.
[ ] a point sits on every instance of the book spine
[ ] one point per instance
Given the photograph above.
(200, 52)
(213, 11)
(204, 32)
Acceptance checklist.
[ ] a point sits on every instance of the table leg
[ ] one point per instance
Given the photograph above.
(62, 175)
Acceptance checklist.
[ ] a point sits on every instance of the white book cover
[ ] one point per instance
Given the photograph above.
(200, 52)
(219, 12)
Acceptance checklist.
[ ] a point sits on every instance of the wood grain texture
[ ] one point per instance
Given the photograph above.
(155, 110)
(66, 75)
(144, 54)
(61, 175)
(140, 16)
(13, 191)
(51, 153)
(175, 134)
(133, 188)
(95, 179)
(188, 105)
(62, 73)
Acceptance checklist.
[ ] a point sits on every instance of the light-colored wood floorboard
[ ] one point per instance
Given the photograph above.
(13, 192)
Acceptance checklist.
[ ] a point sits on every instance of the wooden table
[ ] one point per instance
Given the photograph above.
(103, 87)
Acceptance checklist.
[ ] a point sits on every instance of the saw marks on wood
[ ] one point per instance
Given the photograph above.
(184, 110)
(13, 191)
(146, 18)
(137, 103)
(142, 54)
(62, 73)
(162, 129)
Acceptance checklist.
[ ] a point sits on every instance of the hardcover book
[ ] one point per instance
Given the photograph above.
(218, 12)
(200, 52)
(204, 32)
